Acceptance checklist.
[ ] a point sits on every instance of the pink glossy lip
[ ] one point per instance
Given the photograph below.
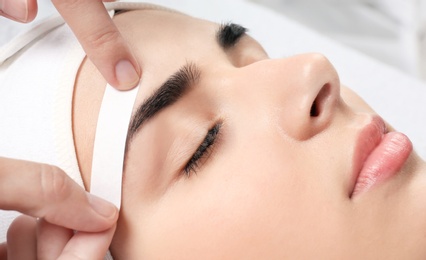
(379, 155)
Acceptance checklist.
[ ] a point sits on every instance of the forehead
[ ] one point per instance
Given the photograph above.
(164, 41)
(164, 30)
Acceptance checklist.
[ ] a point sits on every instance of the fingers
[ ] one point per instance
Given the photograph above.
(96, 32)
(88, 245)
(23, 11)
(45, 191)
(21, 239)
(51, 240)
(31, 239)
(3, 251)
(101, 41)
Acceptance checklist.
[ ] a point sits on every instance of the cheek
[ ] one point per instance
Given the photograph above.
(236, 205)
(258, 187)
(233, 211)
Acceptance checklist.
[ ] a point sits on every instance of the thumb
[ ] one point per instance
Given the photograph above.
(88, 245)
(19, 10)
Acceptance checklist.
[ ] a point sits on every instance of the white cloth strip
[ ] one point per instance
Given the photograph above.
(110, 143)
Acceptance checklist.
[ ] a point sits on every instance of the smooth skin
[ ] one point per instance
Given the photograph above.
(276, 184)
(54, 197)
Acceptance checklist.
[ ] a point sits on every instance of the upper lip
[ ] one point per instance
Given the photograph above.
(368, 139)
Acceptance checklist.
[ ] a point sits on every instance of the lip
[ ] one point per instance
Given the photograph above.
(379, 155)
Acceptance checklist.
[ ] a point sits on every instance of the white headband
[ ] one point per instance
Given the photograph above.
(46, 25)
(110, 143)
(112, 126)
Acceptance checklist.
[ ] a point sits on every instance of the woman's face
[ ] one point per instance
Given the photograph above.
(257, 158)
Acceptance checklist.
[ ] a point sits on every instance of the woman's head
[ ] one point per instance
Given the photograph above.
(255, 158)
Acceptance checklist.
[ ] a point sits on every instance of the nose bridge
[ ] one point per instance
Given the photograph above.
(299, 93)
(301, 74)
(297, 74)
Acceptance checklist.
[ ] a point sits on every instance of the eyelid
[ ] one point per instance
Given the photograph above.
(204, 150)
(183, 145)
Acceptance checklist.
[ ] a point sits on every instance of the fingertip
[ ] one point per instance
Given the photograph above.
(22, 235)
(32, 10)
(3, 251)
(23, 11)
(104, 208)
(19, 226)
(102, 42)
(88, 245)
(127, 75)
(51, 239)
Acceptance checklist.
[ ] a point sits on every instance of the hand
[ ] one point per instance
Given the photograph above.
(96, 32)
(54, 206)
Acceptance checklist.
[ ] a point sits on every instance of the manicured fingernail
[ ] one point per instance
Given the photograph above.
(126, 74)
(101, 206)
(17, 9)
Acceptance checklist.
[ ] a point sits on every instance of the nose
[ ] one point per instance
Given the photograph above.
(305, 89)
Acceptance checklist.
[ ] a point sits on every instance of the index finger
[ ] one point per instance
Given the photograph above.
(101, 41)
(45, 191)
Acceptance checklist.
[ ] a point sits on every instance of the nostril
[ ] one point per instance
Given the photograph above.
(314, 109)
(319, 102)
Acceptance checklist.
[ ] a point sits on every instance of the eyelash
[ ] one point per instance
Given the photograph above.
(203, 150)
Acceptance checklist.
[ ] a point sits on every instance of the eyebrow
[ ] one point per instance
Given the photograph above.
(181, 81)
(169, 92)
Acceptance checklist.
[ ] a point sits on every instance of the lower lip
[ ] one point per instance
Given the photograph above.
(384, 162)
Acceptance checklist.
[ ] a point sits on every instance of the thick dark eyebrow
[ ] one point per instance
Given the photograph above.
(178, 84)
(229, 34)
(170, 91)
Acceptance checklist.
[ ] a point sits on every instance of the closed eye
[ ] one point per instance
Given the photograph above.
(203, 151)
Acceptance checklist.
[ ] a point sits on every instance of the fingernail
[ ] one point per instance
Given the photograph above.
(101, 206)
(126, 74)
(17, 9)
